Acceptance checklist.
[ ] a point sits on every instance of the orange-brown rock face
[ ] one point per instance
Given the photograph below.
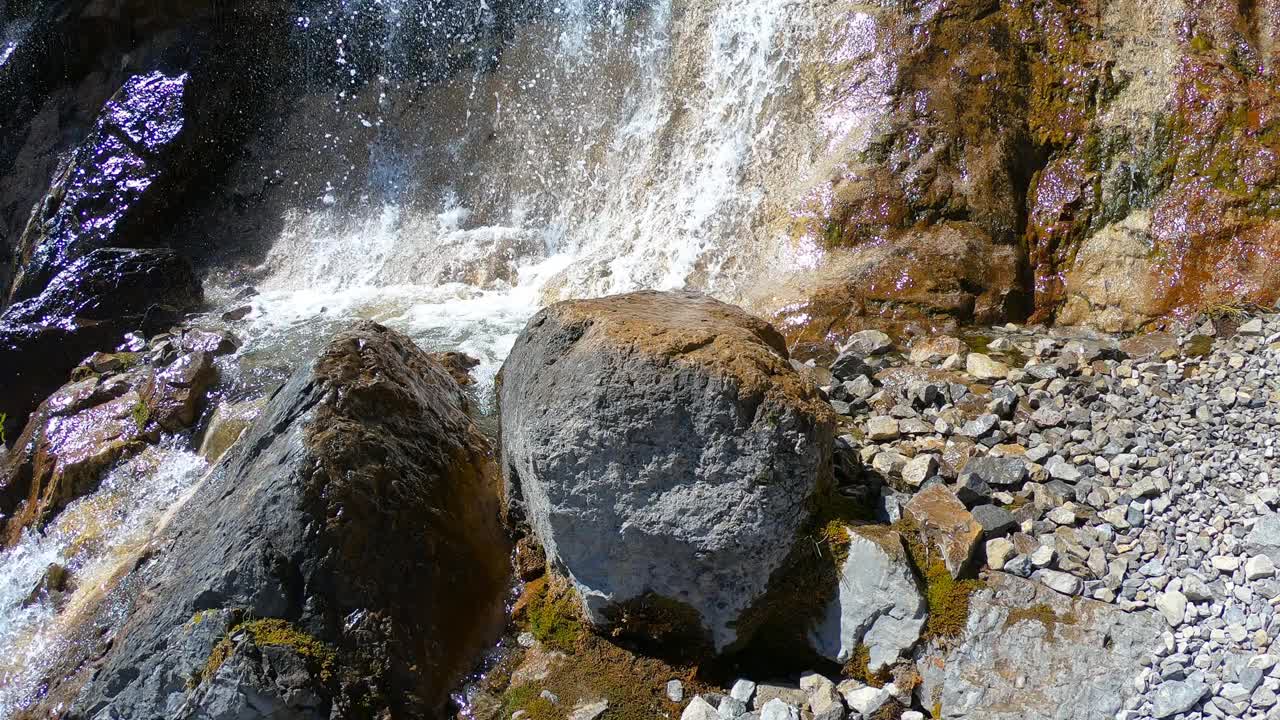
(934, 278)
(91, 423)
(1105, 163)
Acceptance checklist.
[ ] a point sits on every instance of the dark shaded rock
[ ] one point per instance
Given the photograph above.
(995, 521)
(52, 587)
(973, 490)
(345, 560)
(106, 181)
(999, 472)
(458, 364)
(87, 307)
(850, 364)
(73, 58)
(662, 444)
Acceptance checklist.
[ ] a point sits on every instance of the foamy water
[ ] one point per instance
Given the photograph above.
(616, 146)
(90, 538)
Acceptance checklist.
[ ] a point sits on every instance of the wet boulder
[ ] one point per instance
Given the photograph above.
(106, 183)
(228, 423)
(346, 559)
(664, 452)
(88, 307)
(120, 403)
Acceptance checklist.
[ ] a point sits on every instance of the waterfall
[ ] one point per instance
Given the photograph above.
(548, 149)
(611, 145)
(91, 539)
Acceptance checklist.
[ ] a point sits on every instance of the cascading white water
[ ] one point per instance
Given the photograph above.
(91, 538)
(613, 148)
(612, 145)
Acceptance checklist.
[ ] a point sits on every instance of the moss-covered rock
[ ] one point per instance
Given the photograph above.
(347, 559)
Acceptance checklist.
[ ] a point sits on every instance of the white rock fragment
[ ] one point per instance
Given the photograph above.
(699, 709)
(776, 709)
(1259, 567)
(1173, 606)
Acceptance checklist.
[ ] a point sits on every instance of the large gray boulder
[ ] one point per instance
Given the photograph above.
(1029, 653)
(661, 446)
(345, 559)
(878, 605)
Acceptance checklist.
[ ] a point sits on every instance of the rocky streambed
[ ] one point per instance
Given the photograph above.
(1017, 522)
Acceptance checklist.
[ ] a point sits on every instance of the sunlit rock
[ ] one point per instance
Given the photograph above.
(663, 449)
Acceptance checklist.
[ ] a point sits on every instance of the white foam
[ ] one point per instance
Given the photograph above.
(88, 538)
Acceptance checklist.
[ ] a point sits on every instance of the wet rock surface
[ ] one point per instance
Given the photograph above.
(660, 444)
(121, 402)
(1103, 165)
(345, 558)
(88, 307)
(106, 182)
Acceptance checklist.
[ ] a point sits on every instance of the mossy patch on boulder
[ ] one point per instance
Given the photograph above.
(585, 667)
(1043, 614)
(320, 657)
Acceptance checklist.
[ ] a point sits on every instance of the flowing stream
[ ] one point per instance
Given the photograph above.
(606, 146)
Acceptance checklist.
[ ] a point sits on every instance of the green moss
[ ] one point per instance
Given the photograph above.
(859, 668)
(948, 601)
(661, 627)
(321, 659)
(1201, 43)
(81, 372)
(600, 670)
(200, 617)
(1042, 614)
(140, 413)
(217, 656)
(554, 616)
(947, 597)
(529, 699)
(891, 710)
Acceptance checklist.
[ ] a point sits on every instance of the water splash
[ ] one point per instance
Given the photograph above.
(617, 145)
(90, 539)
